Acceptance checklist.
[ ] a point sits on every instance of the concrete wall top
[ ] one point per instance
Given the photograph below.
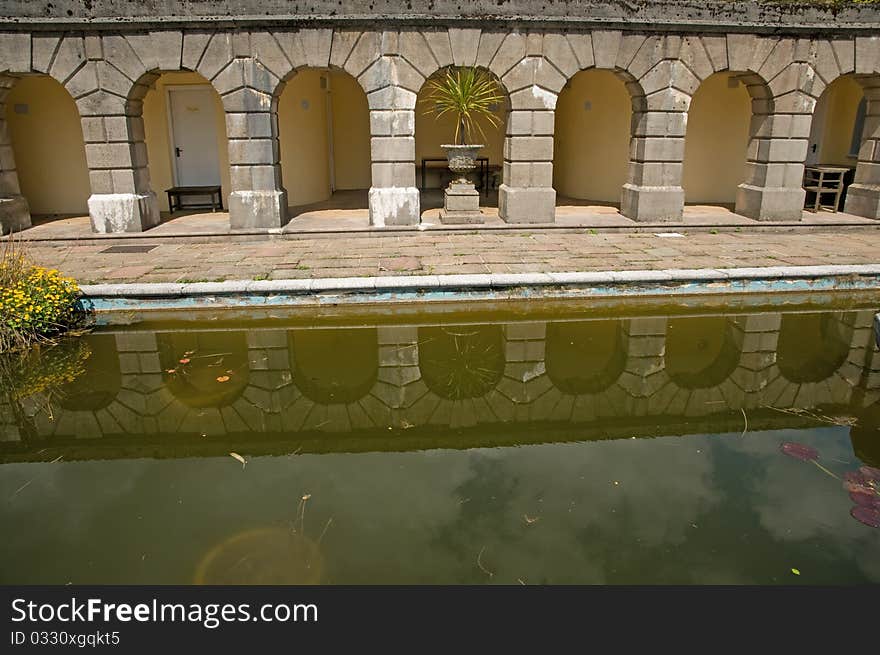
(666, 15)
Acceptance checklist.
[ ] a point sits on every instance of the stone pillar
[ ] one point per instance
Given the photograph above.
(653, 189)
(527, 194)
(249, 91)
(14, 211)
(863, 195)
(394, 198)
(773, 189)
(113, 130)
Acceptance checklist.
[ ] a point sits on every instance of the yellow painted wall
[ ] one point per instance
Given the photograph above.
(48, 144)
(302, 129)
(351, 132)
(844, 96)
(716, 142)
(591, 148)
(157, 135)
(431, 133)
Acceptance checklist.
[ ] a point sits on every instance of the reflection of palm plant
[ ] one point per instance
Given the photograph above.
(459, 365)
(469, 95)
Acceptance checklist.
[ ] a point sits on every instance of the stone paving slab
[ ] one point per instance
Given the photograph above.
(431, 253)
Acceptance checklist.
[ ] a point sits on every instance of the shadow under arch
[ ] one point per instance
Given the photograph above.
(101, 381)
(813, 346)
(586, 357)
(461, 361)
(702, 351)
(211, 355)
(865, 435)
(334, 365)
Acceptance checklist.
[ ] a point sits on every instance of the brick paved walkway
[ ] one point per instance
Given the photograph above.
(464, 253)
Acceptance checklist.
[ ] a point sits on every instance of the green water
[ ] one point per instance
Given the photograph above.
(521, 447)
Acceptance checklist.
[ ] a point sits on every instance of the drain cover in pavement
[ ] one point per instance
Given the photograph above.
(128, 249)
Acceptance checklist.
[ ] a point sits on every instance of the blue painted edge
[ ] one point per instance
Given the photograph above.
(354, 291)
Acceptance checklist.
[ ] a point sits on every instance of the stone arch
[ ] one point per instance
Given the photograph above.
(334, 366)
(586, 357)
(702, 351)
(813, 346)
(204, 369)
(463, 361)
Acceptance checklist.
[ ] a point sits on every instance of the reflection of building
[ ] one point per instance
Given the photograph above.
(106, 106)
(334, 386)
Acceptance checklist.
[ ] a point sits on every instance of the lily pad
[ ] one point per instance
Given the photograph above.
(870, 474)
(870, 516)
(854, 481)
(865, 498)
(800, 451)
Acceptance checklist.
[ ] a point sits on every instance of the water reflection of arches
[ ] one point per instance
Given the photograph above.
(702, 352)
(101, 381)
(813, 346)
(334, 365)
(586, 357)
(210, 355)
(865, 436)
(461, 361)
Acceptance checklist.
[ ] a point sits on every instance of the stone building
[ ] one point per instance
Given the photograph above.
(648, 104)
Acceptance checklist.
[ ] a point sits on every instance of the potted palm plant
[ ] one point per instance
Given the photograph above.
(469, 95)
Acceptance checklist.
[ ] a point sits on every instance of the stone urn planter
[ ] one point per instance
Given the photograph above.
(461, 201)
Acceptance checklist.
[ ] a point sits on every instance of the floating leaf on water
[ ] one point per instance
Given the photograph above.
(800, 451)
(239, 458)
(855, 481)
(795, 571)
(870, 474)
(184, 360)
(223, 378)
(865, 498)
(870, 516)
(531, 519)
(171, 371)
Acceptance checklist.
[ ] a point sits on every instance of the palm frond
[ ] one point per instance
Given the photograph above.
(469, 94)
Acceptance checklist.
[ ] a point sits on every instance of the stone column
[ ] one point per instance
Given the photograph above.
(863, 195)
(250, 99)
(527, 194)
(653, 189)
(14, 211)
(773, 189)
(113, 130)
(394, 198)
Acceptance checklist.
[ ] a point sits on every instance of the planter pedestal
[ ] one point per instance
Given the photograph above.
(461, 204)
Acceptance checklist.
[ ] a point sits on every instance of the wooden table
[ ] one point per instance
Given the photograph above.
(175, 195)
(824, 182)
(482, 161)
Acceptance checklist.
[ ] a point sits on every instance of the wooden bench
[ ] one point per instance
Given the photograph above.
(175, 195)
(482, 166)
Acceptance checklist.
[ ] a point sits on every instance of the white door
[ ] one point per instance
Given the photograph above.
(194, 136)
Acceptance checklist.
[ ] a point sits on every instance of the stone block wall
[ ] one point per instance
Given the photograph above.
(108, 71)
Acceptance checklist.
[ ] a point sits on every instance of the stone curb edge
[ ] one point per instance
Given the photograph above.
(432, 283)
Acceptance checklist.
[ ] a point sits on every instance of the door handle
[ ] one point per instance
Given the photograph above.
(177, 152)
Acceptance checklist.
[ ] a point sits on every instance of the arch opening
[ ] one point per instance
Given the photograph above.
(585, 357)
(702, 351)
(332, 366)
(431, 133)
(813, 346)
(48, 146)
(717, 140)
(461, 361)
(324, 141)
(184, 132)
(204, 369)
(592, 139)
